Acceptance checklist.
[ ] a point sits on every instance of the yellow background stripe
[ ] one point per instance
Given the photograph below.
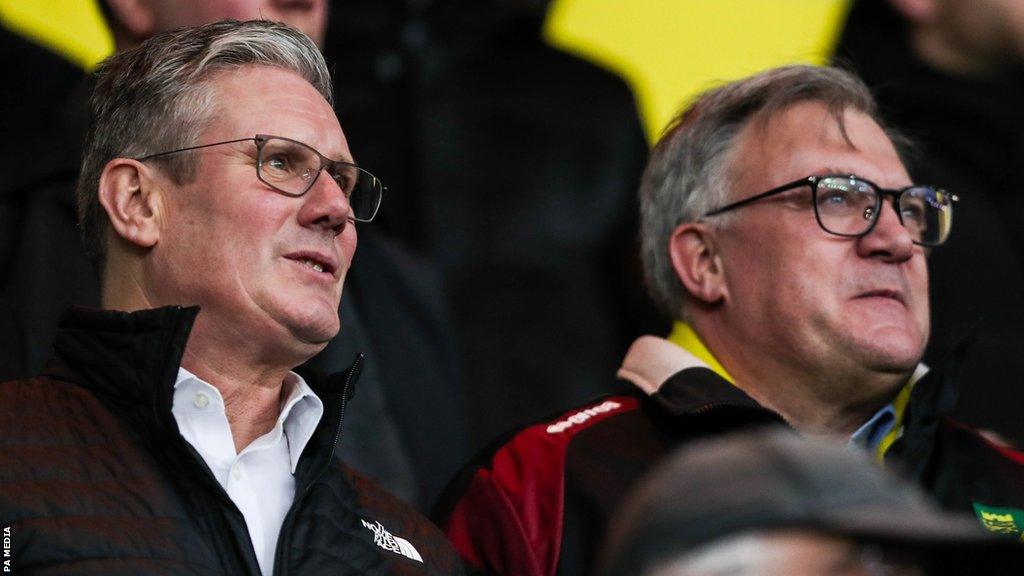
(670, 50)
(72, 28)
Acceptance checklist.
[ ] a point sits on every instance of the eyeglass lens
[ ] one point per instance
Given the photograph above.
(849, 206)
(292, 168)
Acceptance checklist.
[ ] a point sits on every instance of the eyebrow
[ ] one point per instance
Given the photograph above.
(337, 157)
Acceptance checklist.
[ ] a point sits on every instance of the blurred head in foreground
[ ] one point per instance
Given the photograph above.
(777, 504)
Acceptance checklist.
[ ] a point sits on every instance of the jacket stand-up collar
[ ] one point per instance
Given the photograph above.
(127, 359)
(130, 360)
(680, 382)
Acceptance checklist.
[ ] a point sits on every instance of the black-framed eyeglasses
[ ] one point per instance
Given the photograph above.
(292, 167)
(850, 205)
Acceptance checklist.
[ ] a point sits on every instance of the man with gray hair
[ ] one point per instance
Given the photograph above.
(169, 434)
(782, 232)
(393, 306)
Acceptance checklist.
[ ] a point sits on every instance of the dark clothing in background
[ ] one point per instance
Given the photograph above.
(970, 133)
(514, 166)
(392, 310)
(97, 478)
(45, 271)
(36, 84)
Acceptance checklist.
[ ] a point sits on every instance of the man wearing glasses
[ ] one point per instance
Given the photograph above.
(782, 232)
(393, 307)
(169, 434)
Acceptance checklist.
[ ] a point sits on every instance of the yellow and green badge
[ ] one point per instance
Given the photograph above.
(1009, 521)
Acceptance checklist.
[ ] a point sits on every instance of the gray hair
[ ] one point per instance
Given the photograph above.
(689, 172)
(158, 97)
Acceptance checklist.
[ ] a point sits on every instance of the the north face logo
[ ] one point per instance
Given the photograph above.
(388, 541)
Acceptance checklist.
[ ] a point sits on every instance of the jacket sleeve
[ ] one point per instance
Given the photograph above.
(494, 530)
(505, 512)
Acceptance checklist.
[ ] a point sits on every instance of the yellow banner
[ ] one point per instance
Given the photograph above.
(671, 50)
(73, 29)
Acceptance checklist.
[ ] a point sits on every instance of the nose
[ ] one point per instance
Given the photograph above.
(888, 240)
(325, 206)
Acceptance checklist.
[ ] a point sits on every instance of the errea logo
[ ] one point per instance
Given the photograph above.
(390, 542)
(582, 416)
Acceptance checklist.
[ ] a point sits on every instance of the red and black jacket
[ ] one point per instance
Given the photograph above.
(536, 503)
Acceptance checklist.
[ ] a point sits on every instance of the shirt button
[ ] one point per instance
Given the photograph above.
(236, 473)
(202, 400)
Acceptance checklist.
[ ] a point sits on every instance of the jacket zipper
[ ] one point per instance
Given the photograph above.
(705, 408)
(184, 449)
(285, 534)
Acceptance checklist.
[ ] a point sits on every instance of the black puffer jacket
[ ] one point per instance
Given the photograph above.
(95, 478)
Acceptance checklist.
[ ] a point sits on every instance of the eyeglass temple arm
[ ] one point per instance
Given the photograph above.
(810, 181)
(158, 154)
(896, 194)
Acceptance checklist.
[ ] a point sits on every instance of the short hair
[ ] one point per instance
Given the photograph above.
(158, 96)
(689, 172)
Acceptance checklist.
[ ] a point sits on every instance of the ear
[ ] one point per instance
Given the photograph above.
(916, 11)
(132, 200)
(697, 262)
(135, 18)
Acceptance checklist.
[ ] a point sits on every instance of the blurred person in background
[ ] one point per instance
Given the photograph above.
(774, 504)
(134, 21)
(513, 165)
(950, 74)
(782, 231)
(169, 433)
(37, 83)
(406, 426)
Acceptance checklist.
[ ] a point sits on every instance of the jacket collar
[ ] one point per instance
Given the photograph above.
(680, 381)
(651, 361)
(128, 359)
(682, 375)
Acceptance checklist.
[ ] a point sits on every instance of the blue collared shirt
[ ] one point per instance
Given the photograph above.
(870, 435)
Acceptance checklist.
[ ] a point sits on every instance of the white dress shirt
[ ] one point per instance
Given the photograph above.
(260, 480)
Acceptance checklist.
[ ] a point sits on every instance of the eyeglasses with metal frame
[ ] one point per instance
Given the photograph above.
(291, 168)
(847, 205)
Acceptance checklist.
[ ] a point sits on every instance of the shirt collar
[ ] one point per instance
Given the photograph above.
(301, 410)
(871, 433)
